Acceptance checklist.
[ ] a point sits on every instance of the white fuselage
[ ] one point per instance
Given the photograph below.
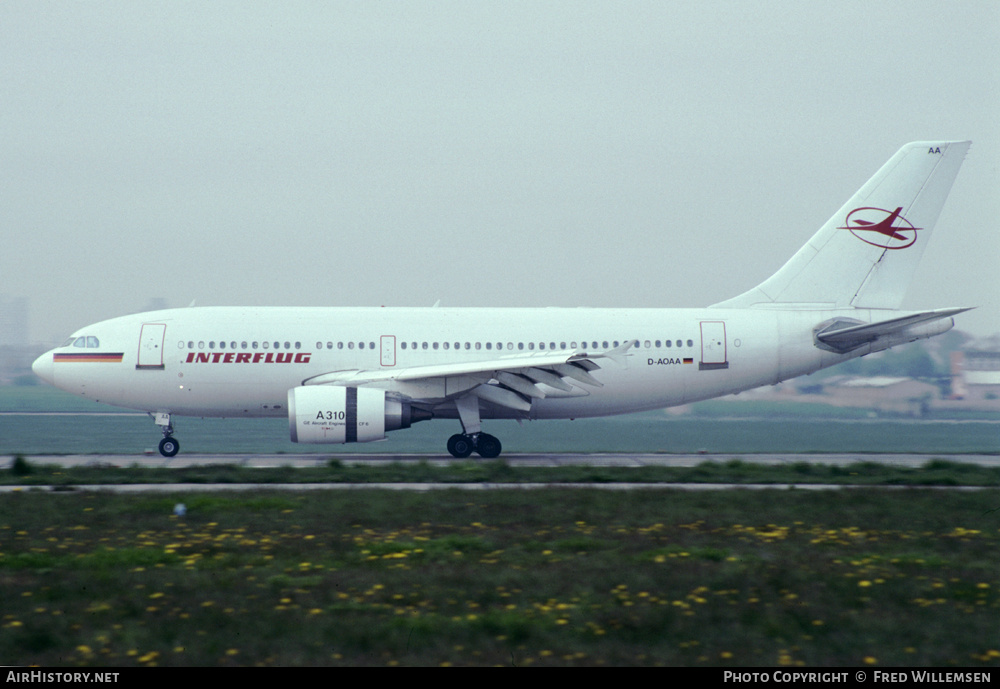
(351, 374)
(241, 362)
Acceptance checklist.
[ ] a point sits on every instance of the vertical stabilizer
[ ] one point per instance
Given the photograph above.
(865, 255)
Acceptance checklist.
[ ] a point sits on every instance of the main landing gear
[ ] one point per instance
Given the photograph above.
(462, 445)
(169, 445)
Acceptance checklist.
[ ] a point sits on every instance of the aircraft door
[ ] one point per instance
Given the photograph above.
(713, 345)
(388, 350)
(151, 346)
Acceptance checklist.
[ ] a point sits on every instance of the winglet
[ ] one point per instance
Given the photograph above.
(618, 354)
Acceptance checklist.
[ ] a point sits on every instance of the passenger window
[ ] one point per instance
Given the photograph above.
(402, 345)
(690, 343)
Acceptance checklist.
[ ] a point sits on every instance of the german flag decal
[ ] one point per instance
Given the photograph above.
(89, 357)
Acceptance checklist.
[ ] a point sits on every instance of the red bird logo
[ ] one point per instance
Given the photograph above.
(888, 229)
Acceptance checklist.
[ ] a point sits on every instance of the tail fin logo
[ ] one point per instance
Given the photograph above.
(882, 228)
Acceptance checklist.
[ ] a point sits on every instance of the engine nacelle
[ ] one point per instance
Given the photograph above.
(334, 414)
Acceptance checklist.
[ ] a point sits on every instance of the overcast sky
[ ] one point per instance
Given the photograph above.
(538, 153)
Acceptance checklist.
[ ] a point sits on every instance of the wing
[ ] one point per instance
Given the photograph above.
(508, 381)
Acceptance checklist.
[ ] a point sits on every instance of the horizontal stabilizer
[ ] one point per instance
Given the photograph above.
(843, 335)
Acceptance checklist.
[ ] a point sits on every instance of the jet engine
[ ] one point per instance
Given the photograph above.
(334, 414)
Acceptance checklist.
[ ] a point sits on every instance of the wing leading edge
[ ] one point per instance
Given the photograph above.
(511, 382)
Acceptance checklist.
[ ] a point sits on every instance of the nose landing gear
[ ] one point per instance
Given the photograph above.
(169, 445)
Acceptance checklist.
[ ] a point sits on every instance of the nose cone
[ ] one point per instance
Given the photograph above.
(43, 368)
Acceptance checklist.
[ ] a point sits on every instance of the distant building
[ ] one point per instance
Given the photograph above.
(883, 393)
(975, 370)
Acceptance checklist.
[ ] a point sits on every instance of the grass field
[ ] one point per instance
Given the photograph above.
(936, 472)
(554, 577)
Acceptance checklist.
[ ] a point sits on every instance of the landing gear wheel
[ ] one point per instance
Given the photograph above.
(488, 446)
(460, 446)
(169, 446)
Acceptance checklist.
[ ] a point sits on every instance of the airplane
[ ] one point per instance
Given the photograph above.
(347, 375)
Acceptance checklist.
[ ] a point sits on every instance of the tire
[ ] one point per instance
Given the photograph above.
(488, 446)
(169, 446)
(460, 446)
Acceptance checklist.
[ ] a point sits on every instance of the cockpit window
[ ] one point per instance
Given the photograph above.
(88, 341)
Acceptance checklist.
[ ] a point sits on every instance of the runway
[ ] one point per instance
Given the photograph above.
(516, 460)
